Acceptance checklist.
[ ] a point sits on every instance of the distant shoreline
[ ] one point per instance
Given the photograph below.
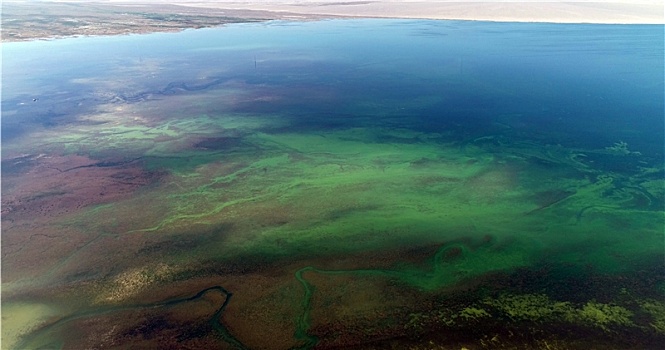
(26, 21)
(608, 12)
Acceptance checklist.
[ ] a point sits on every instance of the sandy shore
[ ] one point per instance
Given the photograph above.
(28, 20)
(618, 11)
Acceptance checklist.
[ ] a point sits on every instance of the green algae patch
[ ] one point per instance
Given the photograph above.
(605, 315)
(515, 310)
(355, 189)
(472, 313)
(530, 307)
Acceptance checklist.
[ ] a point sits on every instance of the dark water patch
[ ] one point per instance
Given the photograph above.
(630, 164)
(46, 195)
(45, 110)
(150, 328)
(220, 143)
(172, 89)
(317, 121)
(568, 282)
(184, 163)
(344, 213)
(643, 200)
(581, 283)
(160, 327)
(19, 165)
(632, 195)
(397, 139)
(195, 238)
(91, 274)
(583, 211)
(243, 264)
(507, 334)
(195, 330)
(172, 246)
(105, 164)
(461, 125)
(546, 199)
(452, 254)
(425, 162)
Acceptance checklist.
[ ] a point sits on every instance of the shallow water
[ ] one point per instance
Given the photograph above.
(370, 183)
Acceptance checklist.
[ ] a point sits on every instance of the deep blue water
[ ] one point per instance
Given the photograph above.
(581, 85)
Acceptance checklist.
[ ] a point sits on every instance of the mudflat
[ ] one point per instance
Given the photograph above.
(23, 21)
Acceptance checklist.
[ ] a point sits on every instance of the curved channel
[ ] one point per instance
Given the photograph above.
(32, 339)
(304, 320)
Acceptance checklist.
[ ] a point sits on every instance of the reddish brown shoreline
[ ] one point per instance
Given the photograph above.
(50, 20)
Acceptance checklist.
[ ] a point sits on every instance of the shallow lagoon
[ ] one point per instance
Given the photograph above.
(369, 183)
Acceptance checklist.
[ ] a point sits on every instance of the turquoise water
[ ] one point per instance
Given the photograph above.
(401, 183)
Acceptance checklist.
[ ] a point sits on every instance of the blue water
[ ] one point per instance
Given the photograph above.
(586, 85)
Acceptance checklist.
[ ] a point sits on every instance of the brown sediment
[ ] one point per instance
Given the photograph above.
(44, 190)
(347, 309)
(267, 301)
(31, 249)
(350, 310)
(23, 21)
(56, 185)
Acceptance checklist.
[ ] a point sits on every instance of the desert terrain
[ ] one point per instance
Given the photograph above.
(23, 20)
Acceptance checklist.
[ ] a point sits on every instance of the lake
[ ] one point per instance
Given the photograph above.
(362, 183)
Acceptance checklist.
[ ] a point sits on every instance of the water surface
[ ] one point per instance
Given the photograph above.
(336, 183)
